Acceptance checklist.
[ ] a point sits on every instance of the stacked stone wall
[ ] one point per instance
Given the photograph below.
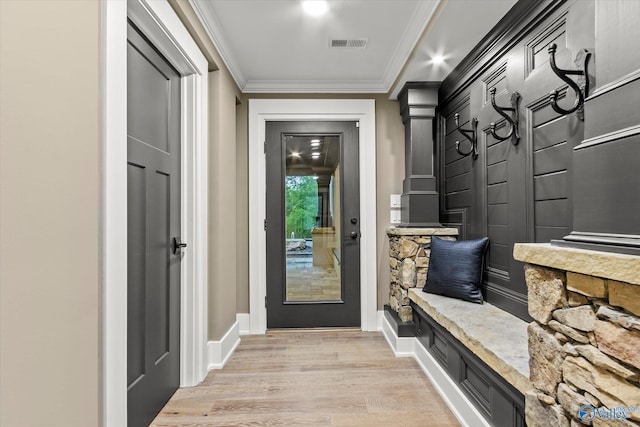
(409, 250)
(584, 347)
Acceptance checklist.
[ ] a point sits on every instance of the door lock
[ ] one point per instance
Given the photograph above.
(354, 235)
(178, 245)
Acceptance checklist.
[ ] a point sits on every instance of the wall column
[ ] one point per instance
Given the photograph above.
(420, 200)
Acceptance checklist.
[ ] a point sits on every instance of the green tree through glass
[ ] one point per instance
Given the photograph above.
(301, 204)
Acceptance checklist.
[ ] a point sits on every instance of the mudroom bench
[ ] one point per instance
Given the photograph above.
(482, 348)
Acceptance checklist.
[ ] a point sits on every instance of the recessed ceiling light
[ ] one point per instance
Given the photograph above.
(315, 140)
(437, 60)
(315, 7)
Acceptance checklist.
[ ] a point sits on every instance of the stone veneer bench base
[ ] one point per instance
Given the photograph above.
(482, 348)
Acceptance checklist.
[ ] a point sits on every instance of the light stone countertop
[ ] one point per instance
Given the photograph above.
(417, 231)
(498, 338)
(608, 265)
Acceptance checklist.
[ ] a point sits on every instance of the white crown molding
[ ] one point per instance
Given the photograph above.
(311, 86)
(203, 9)
(410, 38)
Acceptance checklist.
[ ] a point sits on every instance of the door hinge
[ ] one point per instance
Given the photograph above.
(265, 225)
(357, 124)
(264, 147)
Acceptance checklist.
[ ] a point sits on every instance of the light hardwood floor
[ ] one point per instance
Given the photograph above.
(311, 378)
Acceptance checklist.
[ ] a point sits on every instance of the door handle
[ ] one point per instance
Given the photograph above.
(354, 235)
(178, 245)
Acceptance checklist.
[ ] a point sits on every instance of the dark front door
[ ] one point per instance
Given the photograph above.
(313, 224)
(153, 185)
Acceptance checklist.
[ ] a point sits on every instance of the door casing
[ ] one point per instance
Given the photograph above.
(162, 26)
(360, 110)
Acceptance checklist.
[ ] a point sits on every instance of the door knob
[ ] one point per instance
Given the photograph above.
(178, 245)
(354, 235)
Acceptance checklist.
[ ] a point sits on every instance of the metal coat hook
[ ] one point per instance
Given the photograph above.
(581, 90)
(470, 134)
(511, 119)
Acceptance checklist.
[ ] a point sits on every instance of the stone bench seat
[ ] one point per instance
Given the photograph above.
(496, 337)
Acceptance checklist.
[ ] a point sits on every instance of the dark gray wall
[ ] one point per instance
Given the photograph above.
(514, 192)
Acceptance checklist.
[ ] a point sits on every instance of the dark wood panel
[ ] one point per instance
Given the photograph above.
(618, 35)
(548, 134)
(614, 110)
(458, 167)
(136, 276)
(498, 152)
(497, 214)
(451, 155)
(537, 49)
(552, 159)
(497, 173)
(547, 234)
(608, 192)
(458, 200)
(498, 234)
(159, 280)
(497, 194)
(553, 186)
(543, 113)
(477, 384)
(499, 256)
(552, 213)
(458, 183)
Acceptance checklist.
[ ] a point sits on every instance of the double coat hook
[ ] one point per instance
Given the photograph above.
(580, 90)
(470, 134)
(512, 119)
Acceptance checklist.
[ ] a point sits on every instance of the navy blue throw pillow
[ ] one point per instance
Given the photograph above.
(456, 267)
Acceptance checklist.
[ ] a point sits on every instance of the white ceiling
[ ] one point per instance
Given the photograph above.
(273, 46)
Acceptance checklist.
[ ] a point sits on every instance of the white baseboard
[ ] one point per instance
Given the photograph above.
(455, 399)
(221, 351)
(244, 319)
(379, 318)
(401, 346)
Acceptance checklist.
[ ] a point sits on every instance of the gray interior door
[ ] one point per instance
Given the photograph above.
(153, 168)
(312, 224)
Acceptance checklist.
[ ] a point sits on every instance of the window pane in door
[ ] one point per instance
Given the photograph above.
(312, 218)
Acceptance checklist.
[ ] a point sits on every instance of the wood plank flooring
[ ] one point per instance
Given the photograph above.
(311, 378)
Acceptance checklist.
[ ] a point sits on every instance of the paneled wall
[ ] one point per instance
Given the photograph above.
(515, 191)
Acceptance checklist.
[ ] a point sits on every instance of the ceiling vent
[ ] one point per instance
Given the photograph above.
(357, 43)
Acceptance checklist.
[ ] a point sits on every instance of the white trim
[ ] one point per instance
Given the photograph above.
(221, 351)
(263, 110)
(244, 320)
(165, 30)
(401, 346)
(456, 400)
(379, 320)
(114, 220)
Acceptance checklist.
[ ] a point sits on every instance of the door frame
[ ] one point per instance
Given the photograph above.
(263, 110)
(157, 20)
